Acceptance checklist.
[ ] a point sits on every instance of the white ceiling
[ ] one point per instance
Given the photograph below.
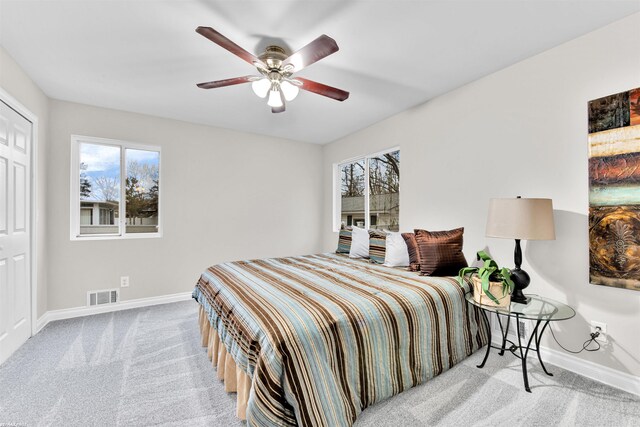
(145, 56)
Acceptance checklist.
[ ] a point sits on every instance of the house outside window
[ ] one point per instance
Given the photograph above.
(86, 216)
(107, 216)
(367, 192)
(115, 189)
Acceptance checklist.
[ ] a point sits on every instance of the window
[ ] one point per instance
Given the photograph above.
(367, 191)
(115, 189)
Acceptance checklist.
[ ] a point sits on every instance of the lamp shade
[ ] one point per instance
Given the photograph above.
(261, 87)
(274, 98)
(524, 219)
(289, 91)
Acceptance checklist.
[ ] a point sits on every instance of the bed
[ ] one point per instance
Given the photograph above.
(313, 340)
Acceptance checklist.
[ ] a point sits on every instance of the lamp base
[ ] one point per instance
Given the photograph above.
(521, 280)
(519, 297)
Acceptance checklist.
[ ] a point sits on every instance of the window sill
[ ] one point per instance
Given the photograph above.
(116, 237)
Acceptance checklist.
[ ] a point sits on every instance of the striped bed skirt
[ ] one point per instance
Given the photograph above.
(235, 380)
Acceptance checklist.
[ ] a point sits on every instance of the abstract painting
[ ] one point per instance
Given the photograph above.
(614, 190)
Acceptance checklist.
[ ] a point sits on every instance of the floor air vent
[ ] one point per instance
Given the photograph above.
(108, 296)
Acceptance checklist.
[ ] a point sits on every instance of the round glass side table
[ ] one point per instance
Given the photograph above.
(539, 309)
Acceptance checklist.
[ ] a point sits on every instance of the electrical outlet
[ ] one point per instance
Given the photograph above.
(124, 281)
(603, 330)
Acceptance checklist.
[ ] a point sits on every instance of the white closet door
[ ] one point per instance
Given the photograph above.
(15, 224)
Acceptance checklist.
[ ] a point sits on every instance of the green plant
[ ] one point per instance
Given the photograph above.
(489, 272)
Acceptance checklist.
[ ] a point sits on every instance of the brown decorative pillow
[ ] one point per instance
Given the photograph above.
(440, 252)
(414, 255)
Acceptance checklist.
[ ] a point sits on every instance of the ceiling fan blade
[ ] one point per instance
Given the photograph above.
(226, 82)
(324, 90)
(321, 47)
(224, 42)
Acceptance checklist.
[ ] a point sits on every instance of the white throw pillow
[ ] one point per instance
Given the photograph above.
(359, 243)
(396, 253)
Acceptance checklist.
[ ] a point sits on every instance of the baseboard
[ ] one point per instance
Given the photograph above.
(69, 313)
(604, 374)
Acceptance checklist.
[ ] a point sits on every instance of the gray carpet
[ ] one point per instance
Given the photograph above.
(146, 367)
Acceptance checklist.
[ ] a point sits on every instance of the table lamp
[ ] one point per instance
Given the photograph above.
(520, 219)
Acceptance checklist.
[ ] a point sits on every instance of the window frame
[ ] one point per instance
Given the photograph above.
(337, 185)
(74, 229)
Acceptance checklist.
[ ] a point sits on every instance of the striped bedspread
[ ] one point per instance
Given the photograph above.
(324, 336)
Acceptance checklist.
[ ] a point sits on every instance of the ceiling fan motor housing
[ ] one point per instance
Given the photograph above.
(273, 57)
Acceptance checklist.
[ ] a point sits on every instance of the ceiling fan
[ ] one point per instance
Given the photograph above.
(276, 69)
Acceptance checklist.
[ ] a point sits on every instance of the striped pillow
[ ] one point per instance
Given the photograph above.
(414, 254)
(377, 246)
(344, 241)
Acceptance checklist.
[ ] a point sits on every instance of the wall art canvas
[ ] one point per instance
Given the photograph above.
(614, 190)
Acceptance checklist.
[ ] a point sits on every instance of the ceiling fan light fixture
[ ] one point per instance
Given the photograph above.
(261, 87)
(275, 100)
(289, 91)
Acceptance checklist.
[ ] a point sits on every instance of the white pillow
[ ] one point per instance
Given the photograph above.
(359, 243)
(396, 252)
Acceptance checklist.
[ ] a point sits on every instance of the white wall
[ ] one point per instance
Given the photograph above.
(226, 196)
(17, 83)
(520, 131)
